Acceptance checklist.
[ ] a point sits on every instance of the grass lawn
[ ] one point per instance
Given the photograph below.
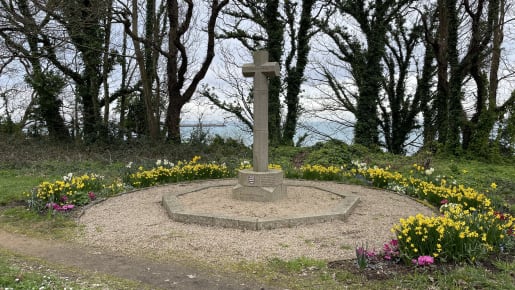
(14, 183)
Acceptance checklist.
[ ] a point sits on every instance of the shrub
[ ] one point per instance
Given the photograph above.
(331, 153)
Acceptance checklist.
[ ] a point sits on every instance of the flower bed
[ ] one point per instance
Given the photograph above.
(467, 229)
(167, 172)
(64, 195)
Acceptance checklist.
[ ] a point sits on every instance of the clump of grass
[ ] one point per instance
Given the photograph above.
(296, 265)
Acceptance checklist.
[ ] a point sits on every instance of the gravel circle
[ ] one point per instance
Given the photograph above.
(136, 223)
(299, 200)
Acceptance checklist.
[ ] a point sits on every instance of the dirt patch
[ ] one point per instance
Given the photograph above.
(156, 275)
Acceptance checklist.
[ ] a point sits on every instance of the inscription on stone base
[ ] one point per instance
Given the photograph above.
(259, 186)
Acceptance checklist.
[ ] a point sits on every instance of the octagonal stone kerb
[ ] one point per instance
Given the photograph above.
(178, 213)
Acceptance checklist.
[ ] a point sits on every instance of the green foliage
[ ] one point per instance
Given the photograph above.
(227, 150)
(479, 175)
(465, 277)
(199, 137)
(286, 155)
(7, 126)
(335, 153)
(468, 230)
(458, 236)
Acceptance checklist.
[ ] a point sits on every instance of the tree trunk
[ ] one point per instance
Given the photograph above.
(275, 30)
(82, 20)
(173, 122)
(456, 113)
(424, 91)
(443, 91)
(295, 75)
(366, 130)
(177, 61)
(477, 139)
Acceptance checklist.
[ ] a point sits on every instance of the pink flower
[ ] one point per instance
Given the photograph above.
(64, 198)
(67, 207)
(370, 254)
(444, 201)
(57, 207)
(423, 261)
(391, 250)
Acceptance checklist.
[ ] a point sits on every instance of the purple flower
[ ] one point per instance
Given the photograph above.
(92, 195)
(64, 198)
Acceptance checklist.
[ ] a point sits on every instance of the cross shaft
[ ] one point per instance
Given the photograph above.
(260, 70)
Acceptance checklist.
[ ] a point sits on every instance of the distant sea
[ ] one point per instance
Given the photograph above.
(316, 132)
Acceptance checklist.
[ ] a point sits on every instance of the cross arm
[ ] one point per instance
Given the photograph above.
(269, 69)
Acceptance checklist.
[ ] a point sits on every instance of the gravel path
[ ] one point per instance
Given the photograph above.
(136, 223)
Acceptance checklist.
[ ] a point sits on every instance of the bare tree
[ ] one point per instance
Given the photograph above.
(472, 63)
(285, 29)
(146, 50)
(364, 55)
(22, 36)
(179, 93)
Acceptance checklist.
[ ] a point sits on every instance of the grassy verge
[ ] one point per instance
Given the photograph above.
(302, 273)
(21, 220)
(21, 272)
(14, 183)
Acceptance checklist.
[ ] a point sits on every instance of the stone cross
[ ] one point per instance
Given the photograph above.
(260, 70)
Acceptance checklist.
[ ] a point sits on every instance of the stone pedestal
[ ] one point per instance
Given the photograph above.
(259, 186)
